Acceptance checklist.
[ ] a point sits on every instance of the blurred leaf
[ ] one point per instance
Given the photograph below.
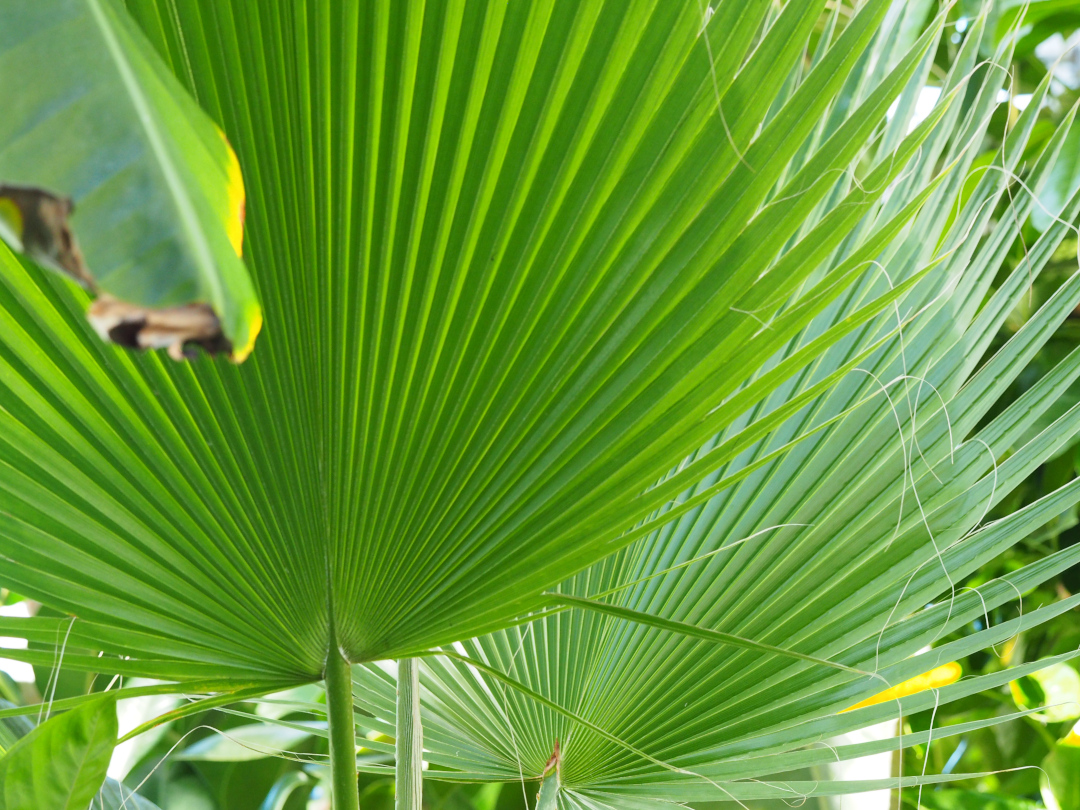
(378, 795)
(284, 789)
(12, 729)
(237, 785)
(188, 793)
(278, 704)
(1073, 737)
(245, 743)
(444, 796)
(1033, 11)
(486, 797)
(93, 117)
(1057, 688)
(115, 796)
(971, 800)
(1061, 782)
(1063, 182)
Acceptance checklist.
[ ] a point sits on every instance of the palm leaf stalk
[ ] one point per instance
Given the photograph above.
(408, 736)
(519, 263)
(339, 714)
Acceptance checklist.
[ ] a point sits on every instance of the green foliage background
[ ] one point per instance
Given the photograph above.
(1019, 749)
(179, 771)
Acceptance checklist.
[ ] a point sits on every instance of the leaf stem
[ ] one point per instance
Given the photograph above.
(339, 713)
(548, 797)
(409, 790)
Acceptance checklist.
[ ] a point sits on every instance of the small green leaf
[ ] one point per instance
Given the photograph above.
(61, 764)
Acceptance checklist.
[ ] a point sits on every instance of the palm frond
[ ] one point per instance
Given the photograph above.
(824, 533)
(514, 259)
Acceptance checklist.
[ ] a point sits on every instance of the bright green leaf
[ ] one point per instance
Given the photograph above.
(1055, 689)
(1061, 778)
(61, 764)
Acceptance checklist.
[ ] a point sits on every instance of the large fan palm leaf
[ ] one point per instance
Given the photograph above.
(543, 281)
(507, 256)
(830, 546)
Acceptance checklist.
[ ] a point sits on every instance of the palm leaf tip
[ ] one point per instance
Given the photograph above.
(934, 679)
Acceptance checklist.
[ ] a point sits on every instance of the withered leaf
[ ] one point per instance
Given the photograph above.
(38, 219)
(177, 329)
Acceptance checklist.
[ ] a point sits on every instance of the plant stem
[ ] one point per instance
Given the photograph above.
(548, 797)
(339, 713)
(409, 790)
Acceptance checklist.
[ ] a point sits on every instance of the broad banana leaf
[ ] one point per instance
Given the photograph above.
(845, 545)
(516, 259)
(111, 175)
